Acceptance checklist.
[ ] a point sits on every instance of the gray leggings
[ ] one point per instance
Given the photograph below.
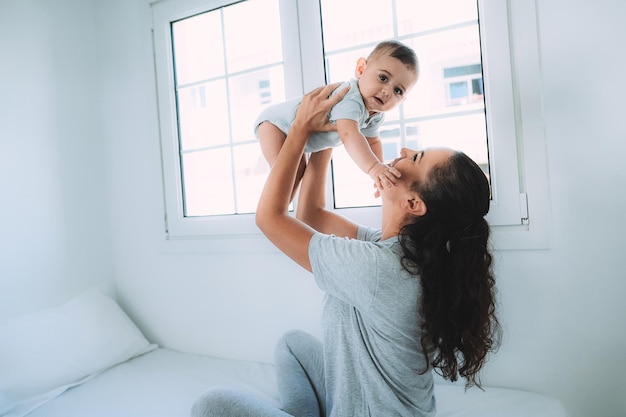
(300, 378)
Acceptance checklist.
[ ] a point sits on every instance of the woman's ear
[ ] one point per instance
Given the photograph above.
(361, 64)
(416, 206)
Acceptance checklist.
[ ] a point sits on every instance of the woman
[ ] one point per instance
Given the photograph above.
(415, 295)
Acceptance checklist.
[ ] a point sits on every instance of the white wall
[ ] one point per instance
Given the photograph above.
(54, 231)
(562, 307)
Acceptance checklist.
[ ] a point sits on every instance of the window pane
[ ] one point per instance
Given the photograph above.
(198, 48)
(464, 133)
(421, 15)
(203, 118)
(352, 188)
(477, 86)
(208, 184)
(355, 22)
(253, 36)
(251, 171)
(458, 90)
(249, 93)
(443, 58)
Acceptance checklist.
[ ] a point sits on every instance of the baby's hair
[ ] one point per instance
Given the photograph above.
(398, 50)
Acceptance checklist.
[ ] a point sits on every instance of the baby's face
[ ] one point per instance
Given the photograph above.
(384, 83)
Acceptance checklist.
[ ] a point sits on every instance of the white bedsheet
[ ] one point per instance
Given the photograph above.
(164, 383)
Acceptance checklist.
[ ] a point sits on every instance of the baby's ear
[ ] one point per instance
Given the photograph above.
(361, 64)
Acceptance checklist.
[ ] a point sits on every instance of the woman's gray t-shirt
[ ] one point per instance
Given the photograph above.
(373, 359)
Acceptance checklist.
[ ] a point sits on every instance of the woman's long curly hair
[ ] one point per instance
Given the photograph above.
(448, 248)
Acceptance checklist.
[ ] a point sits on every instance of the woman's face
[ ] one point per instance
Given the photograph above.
(415, 165)
(401, 202)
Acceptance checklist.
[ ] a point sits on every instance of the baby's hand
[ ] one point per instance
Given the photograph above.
(384, 176)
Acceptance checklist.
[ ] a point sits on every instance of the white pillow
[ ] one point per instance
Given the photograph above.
(44, 353)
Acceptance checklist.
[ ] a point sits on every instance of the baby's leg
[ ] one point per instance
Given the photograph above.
(271, 140)
(300, 374)
(225, 402)
(299, 175)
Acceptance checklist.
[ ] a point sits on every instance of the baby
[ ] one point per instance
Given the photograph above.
(381, 83)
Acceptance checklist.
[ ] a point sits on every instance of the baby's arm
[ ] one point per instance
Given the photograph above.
(365, 156)
(376, 146)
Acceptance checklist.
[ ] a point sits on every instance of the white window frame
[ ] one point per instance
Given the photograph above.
(519, 212)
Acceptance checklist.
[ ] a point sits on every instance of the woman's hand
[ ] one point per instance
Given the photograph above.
(312, 114)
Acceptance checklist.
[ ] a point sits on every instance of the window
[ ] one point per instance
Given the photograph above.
(219, 157)
(218, 64)
(464, 85)
(444, 34)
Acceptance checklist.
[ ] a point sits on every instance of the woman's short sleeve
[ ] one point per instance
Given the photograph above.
(346, 268)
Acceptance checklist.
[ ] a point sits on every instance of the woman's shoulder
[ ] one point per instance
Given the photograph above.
(370, 234)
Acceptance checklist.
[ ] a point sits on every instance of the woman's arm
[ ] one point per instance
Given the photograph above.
(312, 199)
(291, 235)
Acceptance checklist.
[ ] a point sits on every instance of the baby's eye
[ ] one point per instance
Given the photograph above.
(383, 78)
(398, 91)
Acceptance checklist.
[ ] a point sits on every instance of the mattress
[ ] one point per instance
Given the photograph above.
(165, 383)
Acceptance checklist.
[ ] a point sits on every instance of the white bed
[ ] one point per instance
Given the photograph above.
(164, 383)
(138, 379)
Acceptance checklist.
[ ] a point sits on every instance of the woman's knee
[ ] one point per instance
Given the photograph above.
(214, 401)
(226, 402)
(294, 336)
(294, 343)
